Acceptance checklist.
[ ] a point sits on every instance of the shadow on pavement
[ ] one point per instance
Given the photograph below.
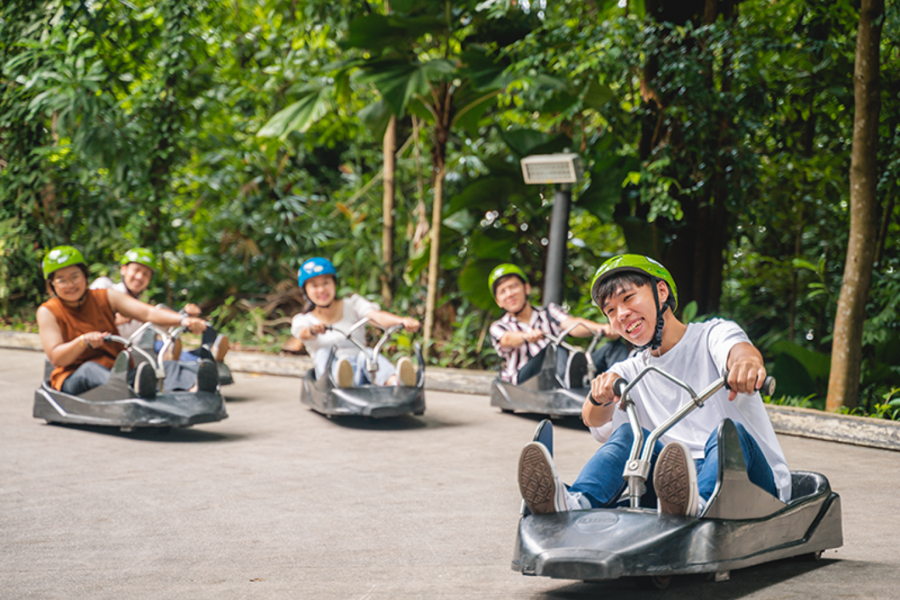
(402, 423)
(743, 583)
(157, 434)
(567, 422)
(229, 399)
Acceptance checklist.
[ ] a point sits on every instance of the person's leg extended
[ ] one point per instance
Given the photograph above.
(532, 367)
(87, 376)
(758, 469)
(600, 480)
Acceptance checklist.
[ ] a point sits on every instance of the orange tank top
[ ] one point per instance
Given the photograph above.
(94, 315)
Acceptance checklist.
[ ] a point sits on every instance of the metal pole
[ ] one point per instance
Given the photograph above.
(556, 247)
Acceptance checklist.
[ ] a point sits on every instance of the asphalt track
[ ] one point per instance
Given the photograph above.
(279, 502)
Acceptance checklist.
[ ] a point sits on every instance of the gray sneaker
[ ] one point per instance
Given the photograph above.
(207, 376)
(675, 481)
(145, 381)
(539, 483)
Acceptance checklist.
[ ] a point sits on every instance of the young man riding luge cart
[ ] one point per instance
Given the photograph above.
(705, 482)
(542, 372)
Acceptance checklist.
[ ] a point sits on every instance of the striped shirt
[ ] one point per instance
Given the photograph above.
(546, 319)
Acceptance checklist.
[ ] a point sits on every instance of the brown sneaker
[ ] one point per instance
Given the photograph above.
(406, 372)
(220, 348)
(675, 481)
(539, 483)
(175, 351)
(344, 374)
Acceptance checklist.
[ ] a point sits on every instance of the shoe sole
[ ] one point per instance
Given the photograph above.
(207, 377)
(145, 382)
(537, 481)
(406, 373)
(675, 481)
(220, 348)
(345, 374)
(577, 371)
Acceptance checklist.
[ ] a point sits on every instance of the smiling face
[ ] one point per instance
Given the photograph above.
(632, 311)
(321, 290)
(511, 294)
(136, 277)
(69, 283)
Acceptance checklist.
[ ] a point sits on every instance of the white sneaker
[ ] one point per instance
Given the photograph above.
(675, 481)
(406, 373)
(344, 374)
(539, 483)
(577, 501)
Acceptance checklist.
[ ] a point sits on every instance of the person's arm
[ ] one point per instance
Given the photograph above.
(135, 309)
(588, 328)
(514, 339)
(746, 371)
(308, 333)
(386, 319)
(601, 401)
(60, 352)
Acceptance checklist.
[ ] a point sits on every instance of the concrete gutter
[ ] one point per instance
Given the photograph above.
(801, 422)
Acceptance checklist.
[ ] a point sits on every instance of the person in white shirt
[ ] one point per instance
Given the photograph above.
(639, 297)
(136, 270)
(318, 279)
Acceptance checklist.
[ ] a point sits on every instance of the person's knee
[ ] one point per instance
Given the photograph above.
(623, 436)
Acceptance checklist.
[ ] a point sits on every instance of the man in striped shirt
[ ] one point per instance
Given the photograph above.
(519, 336)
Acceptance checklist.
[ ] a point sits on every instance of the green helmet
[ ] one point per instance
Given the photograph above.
(141, 256)
(636, 264)
(503, 270)
(60, 257)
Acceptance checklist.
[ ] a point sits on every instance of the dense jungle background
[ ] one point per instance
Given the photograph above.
(238, 138)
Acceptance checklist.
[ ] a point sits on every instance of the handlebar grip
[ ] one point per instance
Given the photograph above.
(619, 386)
(767, 389)
(107, 338)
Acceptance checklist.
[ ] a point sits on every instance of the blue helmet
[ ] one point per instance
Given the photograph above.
(313, 268)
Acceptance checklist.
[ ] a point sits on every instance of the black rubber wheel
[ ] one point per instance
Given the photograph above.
(653, 582)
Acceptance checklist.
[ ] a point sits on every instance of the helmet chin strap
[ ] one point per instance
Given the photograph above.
(656, 342)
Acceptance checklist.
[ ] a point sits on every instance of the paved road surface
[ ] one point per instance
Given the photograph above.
(279, 502)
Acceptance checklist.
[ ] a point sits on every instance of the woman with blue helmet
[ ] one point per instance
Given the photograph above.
(317, 278)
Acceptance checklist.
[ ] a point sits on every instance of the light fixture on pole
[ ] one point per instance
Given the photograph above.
(562, 169)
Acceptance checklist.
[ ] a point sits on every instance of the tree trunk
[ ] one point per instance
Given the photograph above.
(433, 260)
(387, 234)
(846, 351)
(443, 114)
(693, 248)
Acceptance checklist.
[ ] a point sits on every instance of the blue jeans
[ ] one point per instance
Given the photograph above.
(91, 374)
(601, 481)
(360, 374)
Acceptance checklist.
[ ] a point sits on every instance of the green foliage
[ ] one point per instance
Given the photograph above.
(237, 140)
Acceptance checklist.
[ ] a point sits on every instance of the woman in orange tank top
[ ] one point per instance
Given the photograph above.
(75, 321)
